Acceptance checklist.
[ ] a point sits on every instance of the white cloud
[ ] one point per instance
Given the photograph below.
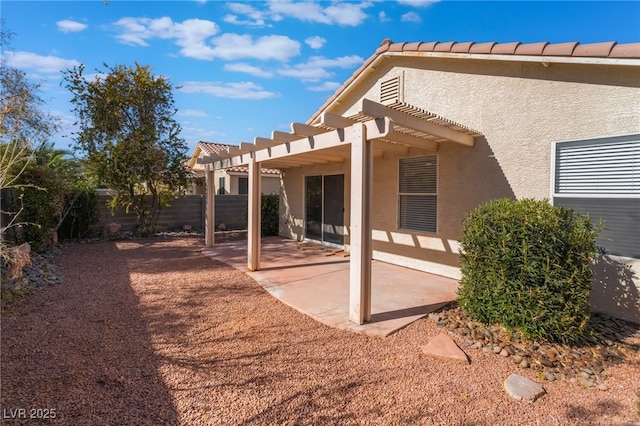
(340, 13)
(256, 17)
(383, 17)
(418, 3)
(327, 86)
(191, 113)
(239, 90)
(190, 35)
(316, 68)
(69, 26)
(305, 74)
(274, 47)
(248, 69)
(411, 17)
(315, 42)
(45, 64)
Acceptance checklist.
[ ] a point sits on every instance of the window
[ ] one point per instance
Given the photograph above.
(243, 186)
(417, 194)
(221, 189)
(601, 177)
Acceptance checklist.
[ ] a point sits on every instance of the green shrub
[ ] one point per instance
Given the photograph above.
(82, 214)
(526, 265)
(270, 214)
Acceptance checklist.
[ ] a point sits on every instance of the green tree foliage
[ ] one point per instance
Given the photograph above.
(54, 184)
(526, 265)
(129, 136)
(24, 127)
(270, 214)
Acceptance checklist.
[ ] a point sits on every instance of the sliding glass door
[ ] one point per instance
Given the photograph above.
(324, 208)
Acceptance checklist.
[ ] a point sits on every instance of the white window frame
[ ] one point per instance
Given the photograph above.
(613, 193)
(434, 194)
(552, 175)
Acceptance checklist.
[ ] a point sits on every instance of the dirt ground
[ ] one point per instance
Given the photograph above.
(155, 333)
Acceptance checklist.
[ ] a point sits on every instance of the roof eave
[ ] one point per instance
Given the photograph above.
(377, 59)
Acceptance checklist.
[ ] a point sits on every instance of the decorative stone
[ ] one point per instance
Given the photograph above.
(435, 317)
(20, 258)
(113, 228)
(523, 389)
(504, 353)
(443, 347)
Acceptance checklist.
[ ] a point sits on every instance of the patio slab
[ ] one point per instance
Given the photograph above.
(315, 281)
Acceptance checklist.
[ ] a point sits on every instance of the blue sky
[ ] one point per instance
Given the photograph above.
(246, 68)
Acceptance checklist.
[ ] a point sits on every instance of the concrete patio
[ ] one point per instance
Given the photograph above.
(315, 281)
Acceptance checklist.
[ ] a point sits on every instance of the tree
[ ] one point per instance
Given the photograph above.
(131, 142)
(24, 128)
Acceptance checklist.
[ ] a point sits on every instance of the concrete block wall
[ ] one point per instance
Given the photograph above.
(187, 210)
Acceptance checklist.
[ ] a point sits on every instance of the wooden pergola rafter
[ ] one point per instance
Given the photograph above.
(372, 130)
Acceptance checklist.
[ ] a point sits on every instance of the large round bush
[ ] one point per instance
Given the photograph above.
(526, 265)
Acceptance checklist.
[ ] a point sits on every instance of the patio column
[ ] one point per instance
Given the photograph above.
(360, 236)
(210, 212)
(254, 231)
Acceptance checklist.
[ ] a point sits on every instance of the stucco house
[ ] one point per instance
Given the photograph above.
(232, 180)
(424, 132)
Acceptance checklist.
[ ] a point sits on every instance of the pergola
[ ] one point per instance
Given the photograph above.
(374, 129)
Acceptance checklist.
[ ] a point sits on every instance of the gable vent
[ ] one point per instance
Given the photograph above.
(391, 91)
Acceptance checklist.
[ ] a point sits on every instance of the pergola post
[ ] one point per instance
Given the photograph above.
(254, 231)
(360, 236)
(210, 212)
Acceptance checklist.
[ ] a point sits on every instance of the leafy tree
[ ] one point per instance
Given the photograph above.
(24, 128)
(52, 184)
(131, 141)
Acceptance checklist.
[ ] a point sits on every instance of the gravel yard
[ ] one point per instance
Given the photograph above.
(153, 332)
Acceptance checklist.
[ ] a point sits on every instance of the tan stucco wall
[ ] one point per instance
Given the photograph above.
(520, 109)
(292, 198)
(270, 185)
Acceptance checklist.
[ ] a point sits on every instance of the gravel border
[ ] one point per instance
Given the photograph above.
(153, 332)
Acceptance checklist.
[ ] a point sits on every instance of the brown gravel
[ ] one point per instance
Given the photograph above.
(151, 333)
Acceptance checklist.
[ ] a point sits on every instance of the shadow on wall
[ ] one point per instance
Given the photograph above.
(469, 178)
(616, 288)
(481, 178)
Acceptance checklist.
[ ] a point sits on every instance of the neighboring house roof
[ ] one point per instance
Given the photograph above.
(212, 148)
(552, 52)
(245, 170)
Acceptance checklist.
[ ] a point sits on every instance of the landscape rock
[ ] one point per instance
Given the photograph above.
(523, 389)
(113, 228)
(20, 258)
(443, 347)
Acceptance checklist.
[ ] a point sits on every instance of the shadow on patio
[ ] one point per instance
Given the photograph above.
(315, 281)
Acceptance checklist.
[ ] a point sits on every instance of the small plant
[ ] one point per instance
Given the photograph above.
(270, 214)
(526, 265)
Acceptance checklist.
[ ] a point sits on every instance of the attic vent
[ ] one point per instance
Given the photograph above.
(391, 91)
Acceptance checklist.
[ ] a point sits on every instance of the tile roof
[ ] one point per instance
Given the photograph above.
(245, 169)
(609, 49)
(605, 50)
(213, 148)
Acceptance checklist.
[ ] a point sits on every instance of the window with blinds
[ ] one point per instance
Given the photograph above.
(418, 194)
(601, 177)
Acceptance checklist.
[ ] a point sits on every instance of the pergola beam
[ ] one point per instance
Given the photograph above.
(306, 130)
(261, 143)
(376, 110)
(335, 121)
(301, 146)
(283, 137)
